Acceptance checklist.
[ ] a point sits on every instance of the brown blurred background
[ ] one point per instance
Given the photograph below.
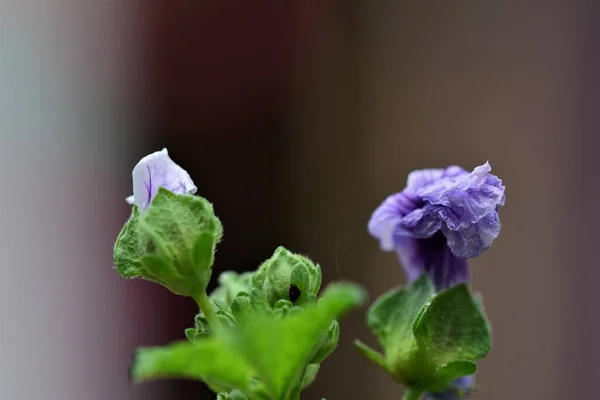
(295, 119)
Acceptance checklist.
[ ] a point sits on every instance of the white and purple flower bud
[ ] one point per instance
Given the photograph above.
(154, 171)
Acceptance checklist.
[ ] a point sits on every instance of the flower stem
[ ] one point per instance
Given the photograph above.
(412, 394)
(208, 310)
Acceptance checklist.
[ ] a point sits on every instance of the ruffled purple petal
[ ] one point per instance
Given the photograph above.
(158, 170)
(387, 217)
(421, 223)
(442, 218)
(462, 389)
(424, 177)
(467, 199)
(432, 256)
(473, 240)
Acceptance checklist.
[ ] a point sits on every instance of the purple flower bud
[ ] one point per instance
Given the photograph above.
(154, 171)
(462, 388)
(442, 218)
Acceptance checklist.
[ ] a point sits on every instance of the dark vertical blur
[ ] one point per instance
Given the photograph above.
(582, 328)
(219, 82)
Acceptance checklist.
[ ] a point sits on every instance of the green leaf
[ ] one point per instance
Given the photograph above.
(207, 358)
(391, 317)
(281, 348)
(182, 231)
(428, 339)
(453, 327)
(126, 254)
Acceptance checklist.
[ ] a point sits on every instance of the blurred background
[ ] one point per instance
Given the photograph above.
(295, 119)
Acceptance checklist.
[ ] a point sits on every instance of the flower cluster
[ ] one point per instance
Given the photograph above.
(263, 334)
(441, 219)
(259, 335)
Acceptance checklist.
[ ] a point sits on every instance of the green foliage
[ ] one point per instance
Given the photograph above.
(452, 327)
(310, 374)
(262, 335)
(233, 395)
(231, 284)
(391, 316)
(428, 339)
(172, 243)
(328, 344)
(281, 348)
(210, 358)
(267, 356)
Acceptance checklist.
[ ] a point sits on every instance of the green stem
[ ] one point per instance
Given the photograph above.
(208, 310)
(412, 394)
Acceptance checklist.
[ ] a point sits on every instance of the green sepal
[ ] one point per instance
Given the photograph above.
(288, 276)
(202, 327)
(453, 327)
(231, 284)
(233, 395)
(172, 243)
(446, 373)
(126, 255)
(190, 334)
(391, 318)
(203, 250)
(310, 374)
(328, 344)
(428, 339)
(241, 306)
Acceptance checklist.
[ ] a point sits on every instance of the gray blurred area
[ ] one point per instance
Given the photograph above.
(296, 120)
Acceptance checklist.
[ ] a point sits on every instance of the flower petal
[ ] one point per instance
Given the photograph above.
(467, 199)
(432, 256)
(421, 223)
(473, 240)
(424, 177)
(387, 217)
(158, 170)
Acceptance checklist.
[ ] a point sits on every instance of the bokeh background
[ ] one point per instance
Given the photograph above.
(296, 119)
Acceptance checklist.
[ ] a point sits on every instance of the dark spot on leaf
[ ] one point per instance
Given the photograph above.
(294, 293)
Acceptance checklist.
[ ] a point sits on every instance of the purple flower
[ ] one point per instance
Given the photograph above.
(154, 171)
(442, 218)
(462, 389)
